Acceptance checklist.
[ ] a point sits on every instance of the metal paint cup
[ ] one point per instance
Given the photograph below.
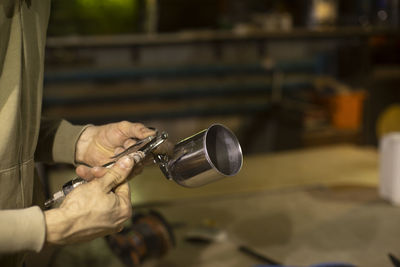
(205, 157)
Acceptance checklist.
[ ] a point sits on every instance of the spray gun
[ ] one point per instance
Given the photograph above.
(200, 159)
(137, 151)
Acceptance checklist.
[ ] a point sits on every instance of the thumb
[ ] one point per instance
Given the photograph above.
(117, 174)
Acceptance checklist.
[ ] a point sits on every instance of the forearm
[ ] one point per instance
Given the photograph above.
(57, 141)
(22, 230)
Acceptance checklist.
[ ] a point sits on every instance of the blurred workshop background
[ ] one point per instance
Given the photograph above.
(308, 86)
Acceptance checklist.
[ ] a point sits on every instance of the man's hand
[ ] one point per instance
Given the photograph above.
(91, 210)
(98, 144)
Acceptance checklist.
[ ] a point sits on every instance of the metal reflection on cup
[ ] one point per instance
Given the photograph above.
(205, 157)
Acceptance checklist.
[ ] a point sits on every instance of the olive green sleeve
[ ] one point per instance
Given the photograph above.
(22, 230)
(57, 141)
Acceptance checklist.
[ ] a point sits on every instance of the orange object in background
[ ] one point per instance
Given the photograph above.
(347, 109)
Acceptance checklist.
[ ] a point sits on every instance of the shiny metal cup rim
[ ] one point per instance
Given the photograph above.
(236, 141)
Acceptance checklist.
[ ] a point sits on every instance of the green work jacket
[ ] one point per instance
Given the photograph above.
(24, 137)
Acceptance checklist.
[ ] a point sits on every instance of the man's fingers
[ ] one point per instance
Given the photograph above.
(98, 172)
(129, 142)
(84, 172)
(118, 150)
(89, 173)
(123, 192)
(117, 174)
(134, 130)
(123, 189)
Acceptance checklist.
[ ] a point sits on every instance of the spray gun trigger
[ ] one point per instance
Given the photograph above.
(162, 161)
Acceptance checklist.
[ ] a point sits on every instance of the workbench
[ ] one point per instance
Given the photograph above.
(298, 208)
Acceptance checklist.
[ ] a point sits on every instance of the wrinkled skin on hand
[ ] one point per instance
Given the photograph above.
(92, 210)
(98, 144)
(101, 206)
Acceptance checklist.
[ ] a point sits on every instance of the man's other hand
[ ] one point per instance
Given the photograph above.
(98, 144)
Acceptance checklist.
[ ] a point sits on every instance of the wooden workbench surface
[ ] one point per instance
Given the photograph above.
(332, 165)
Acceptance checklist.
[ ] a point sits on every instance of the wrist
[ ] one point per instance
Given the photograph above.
(55, 226)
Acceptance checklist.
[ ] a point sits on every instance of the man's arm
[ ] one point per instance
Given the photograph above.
(57, 141)
(92, 210)
(28, 231)
(24, 229)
